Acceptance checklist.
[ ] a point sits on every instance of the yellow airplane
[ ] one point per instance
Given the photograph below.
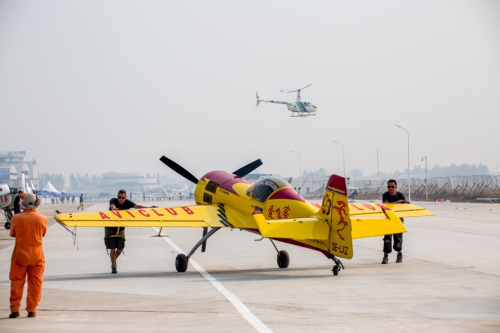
(270, 208)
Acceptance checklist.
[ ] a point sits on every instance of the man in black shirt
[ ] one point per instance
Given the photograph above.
(393, 196)
(17, 202)
(81, 202)
(114, 237)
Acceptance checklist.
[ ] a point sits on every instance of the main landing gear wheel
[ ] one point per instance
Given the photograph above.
(7, 225)
(283, 259)
(335, 270)
(181, 263)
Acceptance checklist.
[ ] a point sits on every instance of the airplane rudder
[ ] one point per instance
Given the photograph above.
(335, 188)
(336, 209)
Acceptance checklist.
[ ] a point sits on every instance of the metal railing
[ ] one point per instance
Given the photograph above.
(460, 186)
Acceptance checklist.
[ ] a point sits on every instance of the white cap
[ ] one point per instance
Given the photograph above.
(30, 201)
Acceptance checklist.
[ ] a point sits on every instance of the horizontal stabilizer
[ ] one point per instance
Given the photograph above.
(304, 228)
(373, 225)
(408, 210)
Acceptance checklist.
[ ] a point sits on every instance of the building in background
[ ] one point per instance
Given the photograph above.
(132, 181)
(8, 175)
(15, 163)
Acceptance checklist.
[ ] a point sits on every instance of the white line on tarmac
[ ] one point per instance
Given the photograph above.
(235, 301)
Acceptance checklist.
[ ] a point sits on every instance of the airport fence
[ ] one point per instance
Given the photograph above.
(456, 186)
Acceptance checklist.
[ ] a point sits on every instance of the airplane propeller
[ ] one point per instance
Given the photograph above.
(180, 170)
(242, 172)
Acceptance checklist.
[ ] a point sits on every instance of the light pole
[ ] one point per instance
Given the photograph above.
(323, 179)
(300, 169)
(425, 158)
(409, 186)
(377, 149)
(343, 155)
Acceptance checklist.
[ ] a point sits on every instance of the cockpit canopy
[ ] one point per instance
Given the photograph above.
(262, 189)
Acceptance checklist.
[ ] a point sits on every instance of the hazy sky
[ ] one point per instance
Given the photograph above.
(97, 86)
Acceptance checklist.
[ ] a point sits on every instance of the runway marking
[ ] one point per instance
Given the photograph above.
(235, 301)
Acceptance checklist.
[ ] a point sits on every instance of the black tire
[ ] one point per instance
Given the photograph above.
(336, 270)
(283, 259)
(181, 263)
(7, 225)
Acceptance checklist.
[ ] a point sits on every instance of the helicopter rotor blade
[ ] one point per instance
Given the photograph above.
(300, 88)
(180, 170)
(242, 172)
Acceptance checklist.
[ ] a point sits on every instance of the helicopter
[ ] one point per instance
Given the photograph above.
(298, 108)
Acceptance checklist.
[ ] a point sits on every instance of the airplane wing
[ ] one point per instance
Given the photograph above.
(371, 220)
(198, 216)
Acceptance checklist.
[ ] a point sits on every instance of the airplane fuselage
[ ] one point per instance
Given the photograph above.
(220, 187)
(5, 196)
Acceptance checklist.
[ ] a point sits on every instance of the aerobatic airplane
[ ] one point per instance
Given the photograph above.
(298, 108)
(270, 208)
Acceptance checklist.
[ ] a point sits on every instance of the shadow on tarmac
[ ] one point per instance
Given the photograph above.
(264, 274)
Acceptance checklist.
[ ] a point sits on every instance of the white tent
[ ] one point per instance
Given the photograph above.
(50, 188)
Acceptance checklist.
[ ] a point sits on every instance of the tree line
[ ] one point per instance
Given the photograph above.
(76, 182)
(84, 182)
(57, 180)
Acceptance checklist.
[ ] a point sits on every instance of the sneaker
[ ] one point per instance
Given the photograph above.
(113, 270)
(31, 314)
(399, 258)
(385, 260)
(14, 315)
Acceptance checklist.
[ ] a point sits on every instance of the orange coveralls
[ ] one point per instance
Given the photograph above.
(28, 228)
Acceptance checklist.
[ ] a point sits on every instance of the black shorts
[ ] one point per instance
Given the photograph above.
(112, 240)
(114, 243)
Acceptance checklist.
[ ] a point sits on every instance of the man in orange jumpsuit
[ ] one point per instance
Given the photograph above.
(28, 228)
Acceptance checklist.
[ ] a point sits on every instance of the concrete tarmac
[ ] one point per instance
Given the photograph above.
(449, 281)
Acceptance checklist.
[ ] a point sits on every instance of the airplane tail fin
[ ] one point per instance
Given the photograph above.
(258, 100)
(335, 209)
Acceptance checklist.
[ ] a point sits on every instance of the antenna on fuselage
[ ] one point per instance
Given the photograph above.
(298, 92)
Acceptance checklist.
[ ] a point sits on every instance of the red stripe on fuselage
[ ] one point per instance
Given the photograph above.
(225, 180)
(287, 193)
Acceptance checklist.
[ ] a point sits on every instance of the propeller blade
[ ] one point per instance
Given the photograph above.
(180, 170)
(242, 172)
